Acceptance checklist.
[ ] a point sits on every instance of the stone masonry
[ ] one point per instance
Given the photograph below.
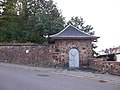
(112, 67)
(34, 55)
(62, 48)
(42, 55)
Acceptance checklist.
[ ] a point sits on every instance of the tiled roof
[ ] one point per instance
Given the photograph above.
(73, 33)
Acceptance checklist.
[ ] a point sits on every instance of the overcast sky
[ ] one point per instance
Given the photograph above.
(103, 15)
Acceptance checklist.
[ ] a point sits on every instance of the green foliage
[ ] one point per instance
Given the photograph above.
(8, 21)
(50, 20)
(29, 20)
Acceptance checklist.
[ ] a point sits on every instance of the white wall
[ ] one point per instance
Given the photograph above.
(118, 57)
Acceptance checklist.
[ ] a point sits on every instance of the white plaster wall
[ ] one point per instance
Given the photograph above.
(118, 57)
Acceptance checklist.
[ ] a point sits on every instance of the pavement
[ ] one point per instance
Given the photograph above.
(83, 74)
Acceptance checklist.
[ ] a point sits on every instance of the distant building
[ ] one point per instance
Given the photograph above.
(112, 53)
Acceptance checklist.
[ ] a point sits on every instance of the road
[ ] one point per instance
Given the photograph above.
(13, 78)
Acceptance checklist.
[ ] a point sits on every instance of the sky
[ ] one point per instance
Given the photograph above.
(103, 15)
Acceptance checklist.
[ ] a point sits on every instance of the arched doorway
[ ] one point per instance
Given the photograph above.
(73, 57)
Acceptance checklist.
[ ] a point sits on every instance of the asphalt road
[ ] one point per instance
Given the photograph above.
(12, 78)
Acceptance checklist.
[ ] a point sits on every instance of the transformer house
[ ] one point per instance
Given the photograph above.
(73, 48)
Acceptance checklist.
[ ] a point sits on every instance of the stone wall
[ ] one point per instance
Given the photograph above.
(50, 55)
(111, 67)
(35, 55)
(62, 48)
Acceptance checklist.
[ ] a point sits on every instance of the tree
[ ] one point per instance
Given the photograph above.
(8, 21)
(39, 17)
(80, 23)
(29, 20)
(50, 19)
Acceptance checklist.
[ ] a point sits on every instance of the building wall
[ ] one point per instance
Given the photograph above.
(62, 48)
(118, 57)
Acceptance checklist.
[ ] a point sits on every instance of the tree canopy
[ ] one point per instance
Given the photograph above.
(29, 20)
